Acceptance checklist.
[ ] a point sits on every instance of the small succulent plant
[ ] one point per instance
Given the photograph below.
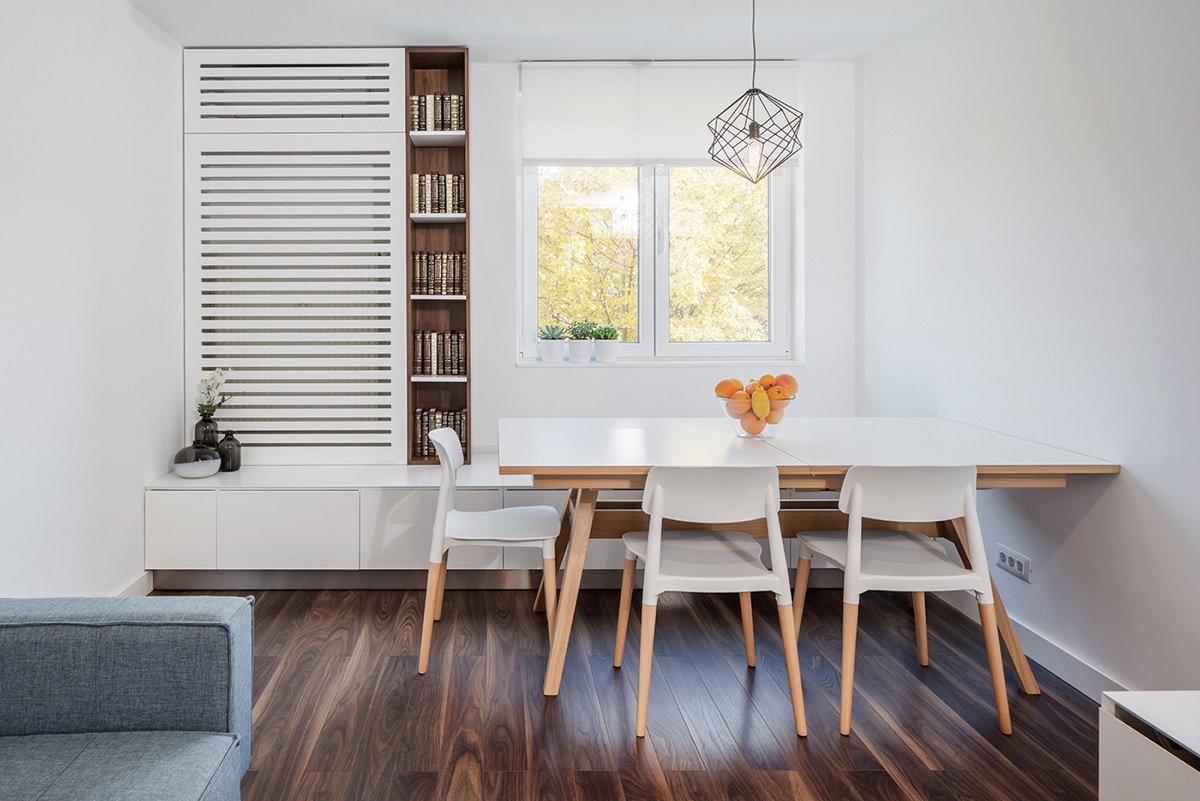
(605, 332)
(581, 329)
(552, 332)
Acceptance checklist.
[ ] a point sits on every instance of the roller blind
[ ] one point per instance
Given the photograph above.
(654, 113)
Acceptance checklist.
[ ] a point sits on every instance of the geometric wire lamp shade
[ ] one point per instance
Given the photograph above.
(755, 134)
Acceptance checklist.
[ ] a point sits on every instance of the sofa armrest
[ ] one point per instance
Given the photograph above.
(126, 664)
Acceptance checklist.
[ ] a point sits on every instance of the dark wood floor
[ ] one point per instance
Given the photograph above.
(340, 712)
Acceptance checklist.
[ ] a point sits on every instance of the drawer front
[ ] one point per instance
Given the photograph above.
(1135, 768)
(396, 529)
(181, 530)
(287, 530)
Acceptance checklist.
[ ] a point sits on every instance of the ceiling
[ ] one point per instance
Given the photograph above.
(516, 30)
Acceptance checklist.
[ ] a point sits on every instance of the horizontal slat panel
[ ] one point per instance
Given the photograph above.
(318, 90)
(303, 310)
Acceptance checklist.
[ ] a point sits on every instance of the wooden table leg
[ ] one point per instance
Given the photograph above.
(956, 532)
(560, 547)
(581, 529)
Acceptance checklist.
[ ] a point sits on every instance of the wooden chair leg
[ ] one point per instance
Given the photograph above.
(991, 638)
(747, 627)
(441, 587)
(792, 658)
(802, 569)
(550, 583)
(647, 655)
(431, 589)
(918, 602)
(849, 638)
(623, 610)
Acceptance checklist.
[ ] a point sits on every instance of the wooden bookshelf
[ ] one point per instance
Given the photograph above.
(438, 301)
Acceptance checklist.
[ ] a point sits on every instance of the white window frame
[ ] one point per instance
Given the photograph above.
(653, 283)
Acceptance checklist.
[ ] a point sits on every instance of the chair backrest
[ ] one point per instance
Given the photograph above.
(712, 494)
(909, 494)
(450, 455)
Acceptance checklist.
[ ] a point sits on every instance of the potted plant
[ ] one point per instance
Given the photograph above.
(580, 334)
(551, 343)
(605, 337)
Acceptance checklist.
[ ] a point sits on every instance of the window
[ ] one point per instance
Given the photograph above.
(684, 261)
(626, 221)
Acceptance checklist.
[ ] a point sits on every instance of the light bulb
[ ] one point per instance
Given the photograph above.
(752, 152)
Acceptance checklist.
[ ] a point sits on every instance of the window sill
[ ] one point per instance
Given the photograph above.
(652, 362)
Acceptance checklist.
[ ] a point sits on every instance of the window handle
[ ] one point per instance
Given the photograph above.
(660, 241)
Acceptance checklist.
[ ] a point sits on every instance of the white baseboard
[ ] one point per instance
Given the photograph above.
(143, 584)
(1068, 667)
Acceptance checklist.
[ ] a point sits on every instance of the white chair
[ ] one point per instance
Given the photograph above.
(904, 560)
(708, 561)
(534, 526)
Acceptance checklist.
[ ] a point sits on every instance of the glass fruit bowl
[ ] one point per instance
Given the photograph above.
(746, 420)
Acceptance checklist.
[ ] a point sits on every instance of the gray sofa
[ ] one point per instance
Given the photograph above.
(124, 699)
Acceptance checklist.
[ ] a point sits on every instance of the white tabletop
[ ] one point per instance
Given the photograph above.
(815, 446)
(840, 442)
(606, 444)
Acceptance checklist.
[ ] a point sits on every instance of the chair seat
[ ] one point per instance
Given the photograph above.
(519, 524)
(895, 555)
(704, 554)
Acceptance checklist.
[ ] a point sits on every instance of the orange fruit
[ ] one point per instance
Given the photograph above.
(727, 387)
(778, 397)
(753, 385)
(767, 381)
(738, 403)
(774, 417)
(752, 424)
(760, 404)
(788, 382)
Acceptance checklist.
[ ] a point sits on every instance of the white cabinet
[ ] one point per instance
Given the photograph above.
(184, 525)
(287, 530)
(396, 528)
(1150, 746)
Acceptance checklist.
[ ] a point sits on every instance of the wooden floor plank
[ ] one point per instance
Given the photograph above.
(340, 713)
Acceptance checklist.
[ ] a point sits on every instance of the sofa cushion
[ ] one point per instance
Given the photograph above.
(130, 766)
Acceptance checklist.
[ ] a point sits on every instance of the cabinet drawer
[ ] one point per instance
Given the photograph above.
(287, 530)
(181, 530)
(396, 529)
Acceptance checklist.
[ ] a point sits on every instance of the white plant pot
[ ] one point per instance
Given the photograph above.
(606, 350)
(551, 350)
(580, 350)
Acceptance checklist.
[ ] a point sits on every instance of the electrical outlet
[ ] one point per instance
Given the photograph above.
(1016, 563)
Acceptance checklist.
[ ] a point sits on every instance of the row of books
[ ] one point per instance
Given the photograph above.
(439, 193)
(426, 420)
(439, 353)
(438, 273)
(439, 111)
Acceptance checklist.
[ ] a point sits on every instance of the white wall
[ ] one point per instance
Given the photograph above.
(1030, 263)
(502, 389)
(91, 299)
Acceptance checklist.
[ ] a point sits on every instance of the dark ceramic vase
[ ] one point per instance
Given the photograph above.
(196, 461)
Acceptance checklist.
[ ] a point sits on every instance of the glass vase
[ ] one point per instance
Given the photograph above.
(231, 453)
(206, 431)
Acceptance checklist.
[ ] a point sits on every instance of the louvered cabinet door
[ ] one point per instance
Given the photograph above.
(295, 274)
(349, 90)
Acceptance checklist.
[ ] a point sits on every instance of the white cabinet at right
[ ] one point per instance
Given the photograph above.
(1150, 746)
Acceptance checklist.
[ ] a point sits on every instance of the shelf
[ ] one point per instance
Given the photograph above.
(436, 218)
(438, 138)
(439, 379)
(438, 297)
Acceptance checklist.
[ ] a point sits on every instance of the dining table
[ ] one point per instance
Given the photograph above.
(587, 455)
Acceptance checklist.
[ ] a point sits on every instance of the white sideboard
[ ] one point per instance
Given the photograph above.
(370, 517)
(1150, 746)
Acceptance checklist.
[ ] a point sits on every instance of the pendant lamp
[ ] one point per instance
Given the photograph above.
(757, 132)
